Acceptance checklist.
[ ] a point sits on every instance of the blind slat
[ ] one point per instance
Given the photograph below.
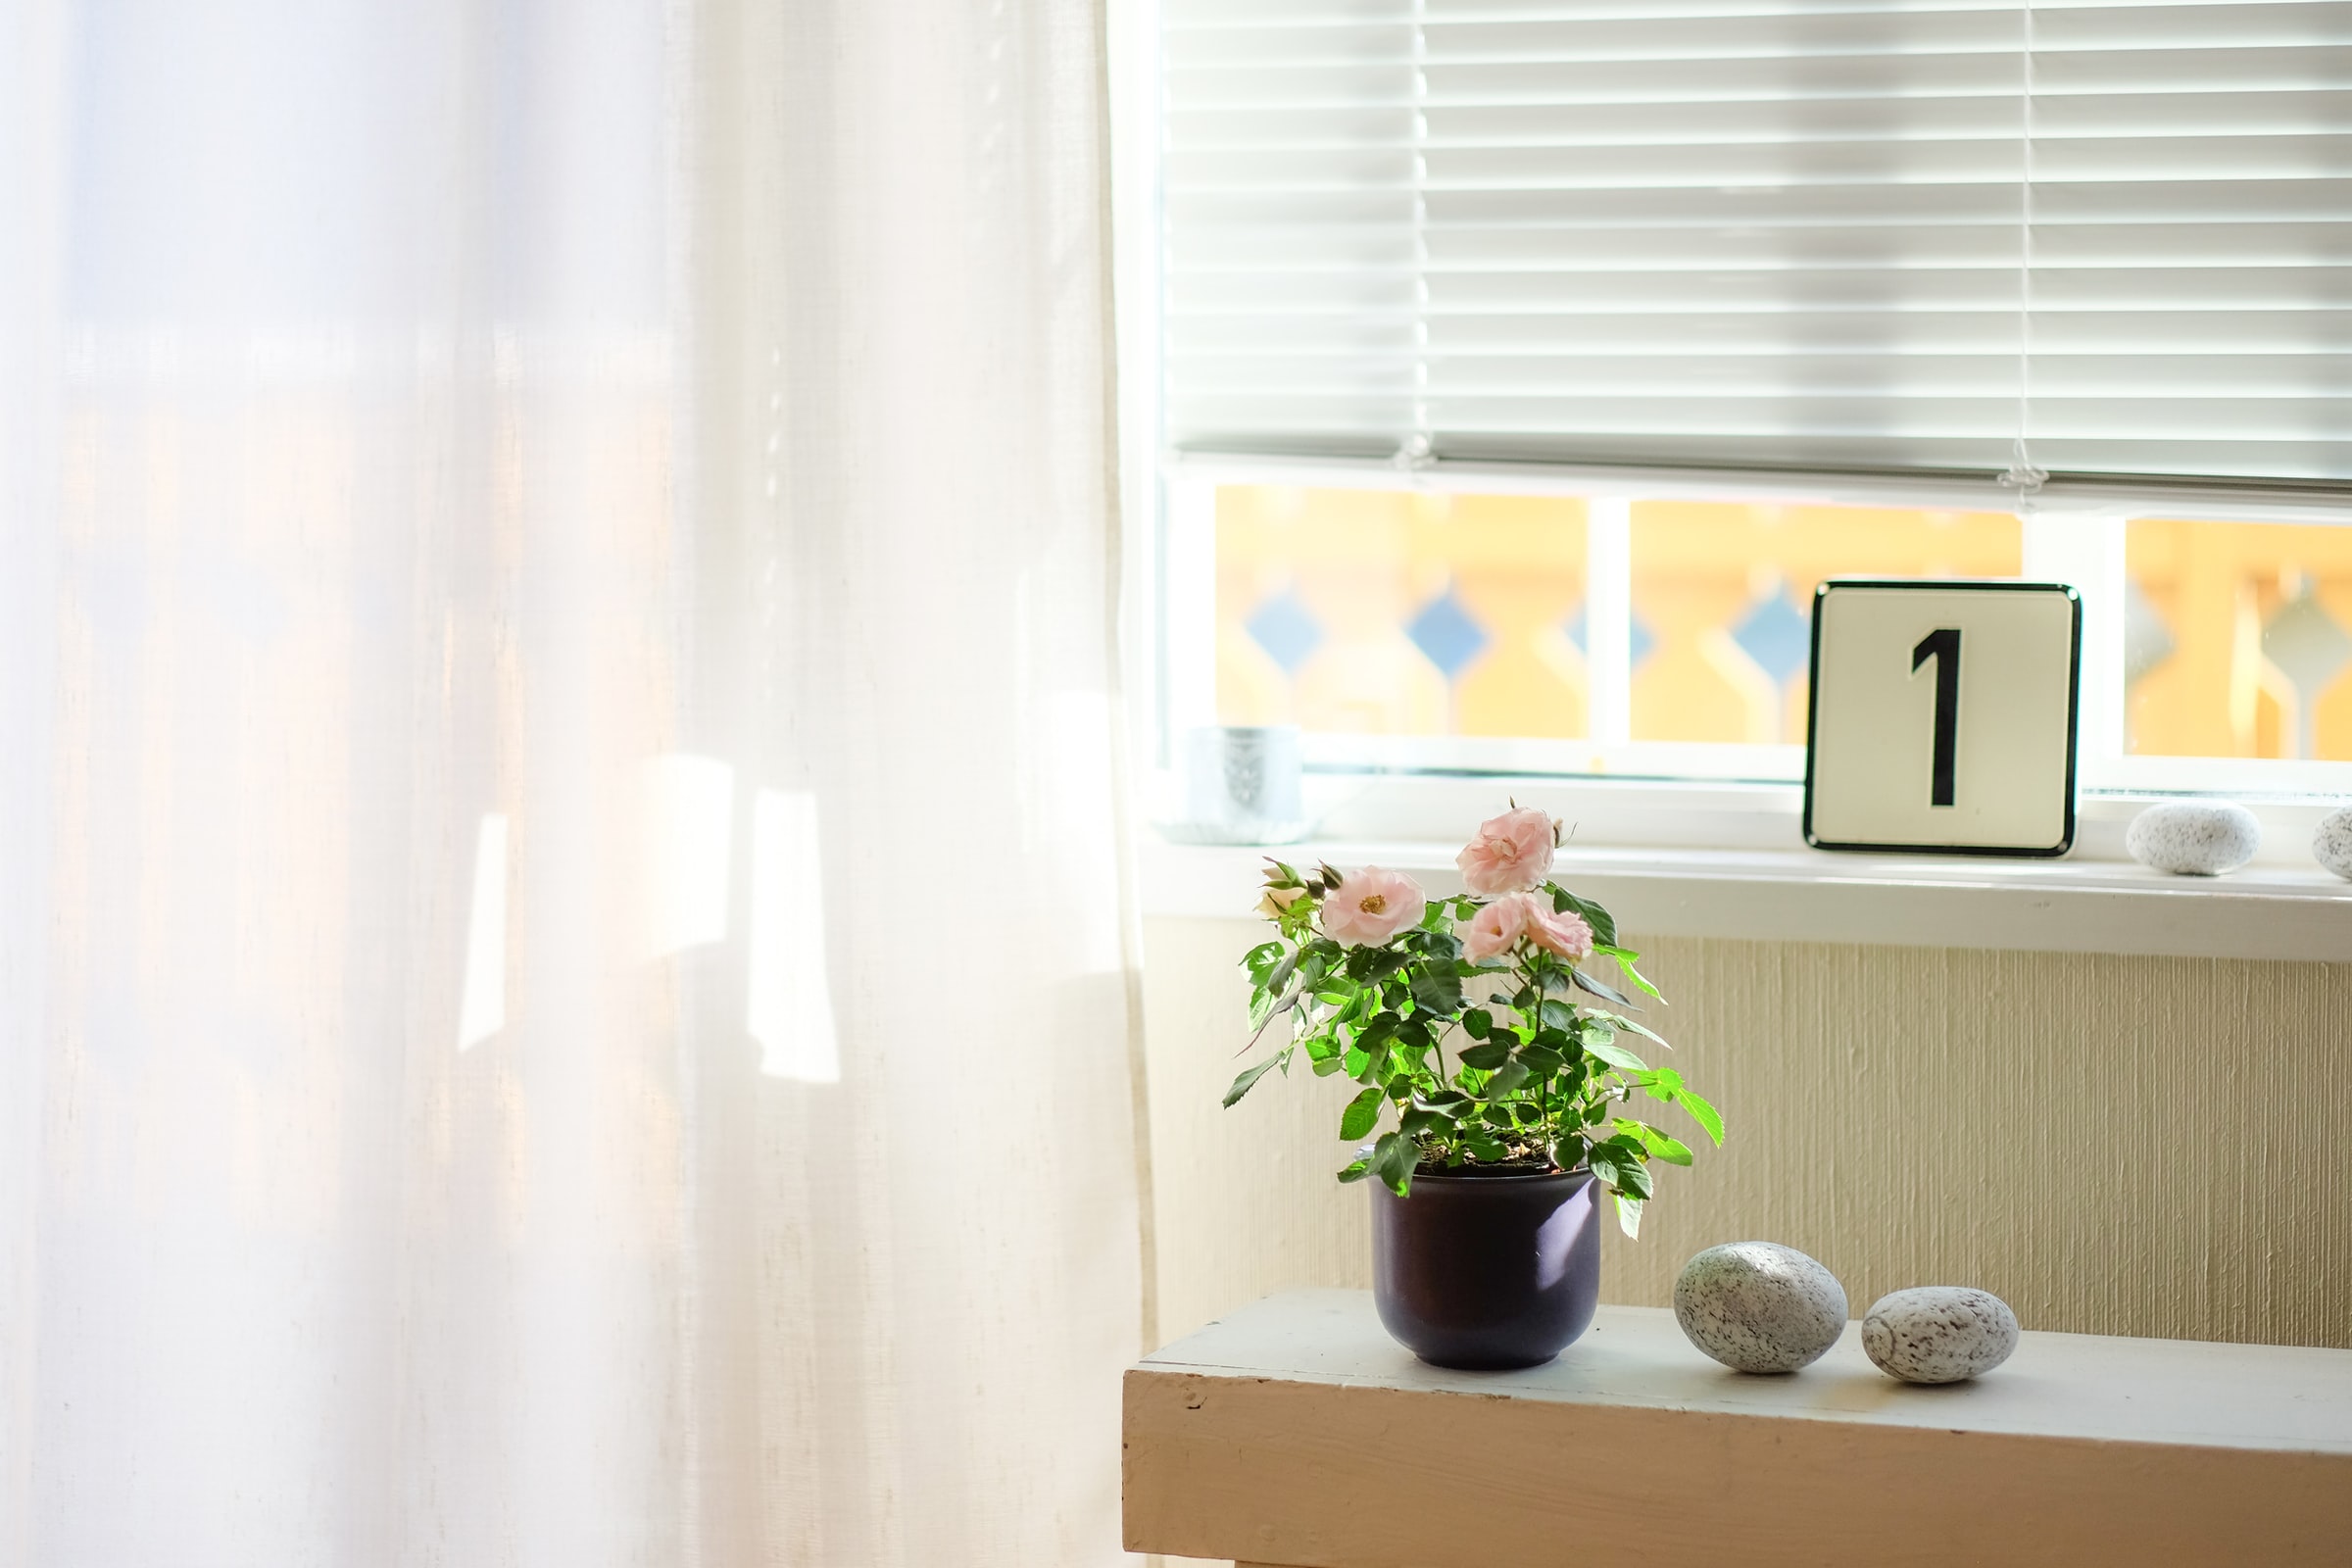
(1764, 231)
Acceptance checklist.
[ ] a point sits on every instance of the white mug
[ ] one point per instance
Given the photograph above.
(1241, 785)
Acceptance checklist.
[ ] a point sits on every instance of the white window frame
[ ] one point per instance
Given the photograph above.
(1709, 820)
(2064, 540)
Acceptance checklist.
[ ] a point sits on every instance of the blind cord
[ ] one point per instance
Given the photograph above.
(1418, 451)
(2022, 475)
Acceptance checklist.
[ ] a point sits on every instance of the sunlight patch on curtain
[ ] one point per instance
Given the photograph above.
(790, 1008)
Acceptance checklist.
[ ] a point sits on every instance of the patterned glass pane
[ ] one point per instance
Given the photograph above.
(2239, 639)
(1723, 601)
(1400, 613)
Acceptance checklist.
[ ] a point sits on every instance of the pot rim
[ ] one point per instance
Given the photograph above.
(1442, 1174)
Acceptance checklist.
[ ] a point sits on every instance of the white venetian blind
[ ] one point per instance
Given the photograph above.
(1818, 233)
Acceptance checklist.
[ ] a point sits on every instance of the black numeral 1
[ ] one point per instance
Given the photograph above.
(1942, 646)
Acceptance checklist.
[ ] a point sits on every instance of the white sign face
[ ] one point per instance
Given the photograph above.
(1943, 717)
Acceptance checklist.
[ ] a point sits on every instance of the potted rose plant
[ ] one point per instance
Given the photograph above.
(1496, 1083)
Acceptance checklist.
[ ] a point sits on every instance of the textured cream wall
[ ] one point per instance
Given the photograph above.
(2113, 1145)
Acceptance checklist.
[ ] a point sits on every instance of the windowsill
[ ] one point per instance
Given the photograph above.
(1802, 895)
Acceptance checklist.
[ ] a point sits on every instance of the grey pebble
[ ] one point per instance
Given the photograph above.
(2331, 845)
(1939, 1333)
(2194, 838)
(1759, 1306)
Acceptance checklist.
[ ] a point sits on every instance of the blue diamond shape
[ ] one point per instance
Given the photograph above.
(2307, 644)
(1445, 634)
(1286, 630)
(2147, 639)
(1776, 637)
(1639, 640)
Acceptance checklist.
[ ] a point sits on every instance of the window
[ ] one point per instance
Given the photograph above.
(2239, 640)
(1517, 368)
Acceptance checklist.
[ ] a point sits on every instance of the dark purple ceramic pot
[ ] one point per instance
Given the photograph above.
(1486, 1272)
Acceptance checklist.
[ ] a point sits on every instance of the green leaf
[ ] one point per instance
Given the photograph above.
(1416, 1124)
(1264, 1009)
(1616, 1056)
(1603, 924)
(1362, 1114)
(1486, 1057)
(1557, 1016)
(1633, 1177)
(1568, 1152)
(1606, 993)
(1619, 1021)
(1508, 1078)
(1392, 1161)
(1356, 1171)
(1478, 1023)
(1625, 962)
(1250, 1075)
(1542, 1060)
(1706, 1115)
(1673, 1151)
(1628, 1216)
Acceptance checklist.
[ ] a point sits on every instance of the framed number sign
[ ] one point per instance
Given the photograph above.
(1943, 716)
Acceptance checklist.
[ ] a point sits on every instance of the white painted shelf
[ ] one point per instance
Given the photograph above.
(1297, 1433)
(1814, 895)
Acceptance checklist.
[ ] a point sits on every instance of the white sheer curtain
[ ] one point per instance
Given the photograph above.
(561, 955)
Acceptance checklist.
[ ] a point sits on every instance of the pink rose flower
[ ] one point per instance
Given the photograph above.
(1371, 906)
(1512, 854)
(1496, 928)
(1278, 899)
(1558, 931)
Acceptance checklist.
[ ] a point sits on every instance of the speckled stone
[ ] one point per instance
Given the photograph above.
(2331, 845)
(1759, 1306)
(1939, 1333)
(2194, 838)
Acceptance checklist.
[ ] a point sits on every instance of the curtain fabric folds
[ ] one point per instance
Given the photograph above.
(562, 958)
